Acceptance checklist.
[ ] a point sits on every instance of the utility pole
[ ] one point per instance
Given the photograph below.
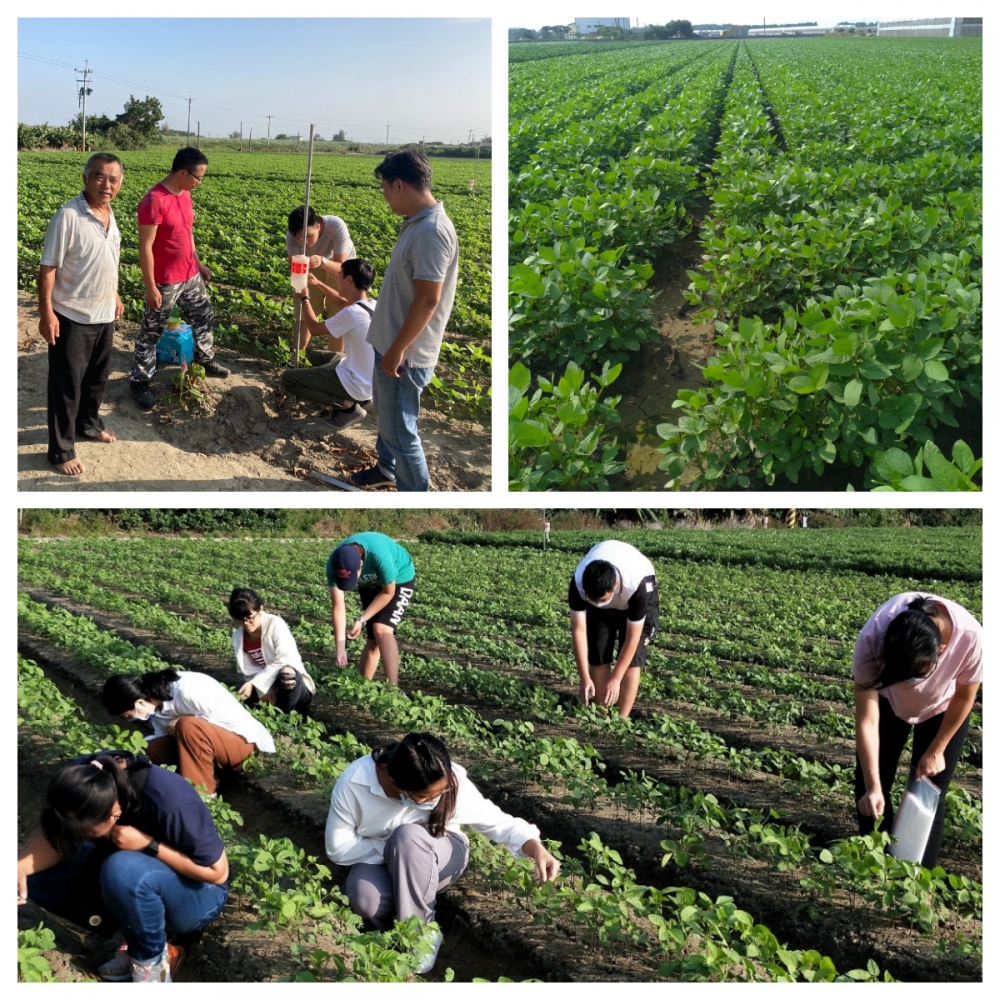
(387, 133)
(189, 117)
(470, 136)
(269, 131)
(199, 135)
(83, 92)
(250, 147)
(241, 137)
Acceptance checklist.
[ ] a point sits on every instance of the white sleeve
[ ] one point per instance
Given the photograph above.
(341, 324)
(343, 845)
(475, 810)
(57, 239)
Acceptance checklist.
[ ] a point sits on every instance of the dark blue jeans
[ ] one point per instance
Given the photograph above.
(140, 894)
(397, 400)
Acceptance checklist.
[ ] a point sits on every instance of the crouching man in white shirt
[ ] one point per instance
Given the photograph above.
(338, 379)
(395, 818)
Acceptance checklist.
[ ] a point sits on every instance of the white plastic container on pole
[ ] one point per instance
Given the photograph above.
(912, 826)
(302, 253)
(300, 272)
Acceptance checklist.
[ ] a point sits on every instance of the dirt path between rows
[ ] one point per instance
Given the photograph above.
(240, 440)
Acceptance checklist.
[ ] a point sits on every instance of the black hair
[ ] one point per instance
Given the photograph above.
(911, 644)
(188, 158)
(96, 158)
(415, 763)
(409, 166)
(295, 218)
(599, 578)
(122, 691)
(243, 602)
(80, 797)
(360, 271)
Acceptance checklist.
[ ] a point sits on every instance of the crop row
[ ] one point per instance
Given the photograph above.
(574, 768)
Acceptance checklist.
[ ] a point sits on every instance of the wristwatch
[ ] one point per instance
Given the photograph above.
(152, 849)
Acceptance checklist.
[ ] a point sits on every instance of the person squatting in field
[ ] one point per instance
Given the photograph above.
(328, 243)
(197, 724)
(612, 598)
(127, 849)
(172, 273)
(382, 571)
(415, 301)
(917, 666)
(340, 377)
(267, 654)
(396, 817)
(78, 305)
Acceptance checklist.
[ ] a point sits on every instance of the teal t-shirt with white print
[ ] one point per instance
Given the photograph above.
(386, 561)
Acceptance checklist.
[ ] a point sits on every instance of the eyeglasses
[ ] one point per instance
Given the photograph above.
(195, 177)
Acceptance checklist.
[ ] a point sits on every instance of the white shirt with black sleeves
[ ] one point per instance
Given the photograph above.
(636, 580)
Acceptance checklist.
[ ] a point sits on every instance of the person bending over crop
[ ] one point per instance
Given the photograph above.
(396, 817)
(172, 273)
(382, 571)
(328, 243)
(78, 305)
(197, 724)
(612, 598)
(917, 666)
(339, 380)
(266, 653)
(124, 845)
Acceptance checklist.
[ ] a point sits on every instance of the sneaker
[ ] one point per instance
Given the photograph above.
(117, 969)
(370, 478)
(427, 950)
(163, 970)
(143, 395)
(343, 419)
(214, 370)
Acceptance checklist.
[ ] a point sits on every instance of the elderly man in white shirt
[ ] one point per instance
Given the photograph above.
(396, 817)
(78, 305)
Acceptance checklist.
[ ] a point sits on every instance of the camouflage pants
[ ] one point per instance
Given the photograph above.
(191, 299)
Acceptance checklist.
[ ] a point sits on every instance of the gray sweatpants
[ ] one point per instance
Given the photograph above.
(191, 299)
(417, 867)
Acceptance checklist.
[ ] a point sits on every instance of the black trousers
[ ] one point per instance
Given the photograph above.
(79, 365)
(892, 736)
(287, 699)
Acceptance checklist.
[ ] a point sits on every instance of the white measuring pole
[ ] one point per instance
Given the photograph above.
(305, 226)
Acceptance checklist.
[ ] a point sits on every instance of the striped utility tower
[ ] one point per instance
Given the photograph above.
(791, 518)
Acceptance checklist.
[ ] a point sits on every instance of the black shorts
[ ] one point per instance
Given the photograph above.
(605, 628)
(392, 613)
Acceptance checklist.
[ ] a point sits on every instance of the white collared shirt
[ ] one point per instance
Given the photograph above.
(85, 256)
(203, 696)
(362, 817)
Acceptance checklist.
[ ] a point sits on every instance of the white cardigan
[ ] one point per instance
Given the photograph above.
(279, 649)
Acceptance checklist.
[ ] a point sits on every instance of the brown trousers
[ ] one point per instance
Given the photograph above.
(198, 748)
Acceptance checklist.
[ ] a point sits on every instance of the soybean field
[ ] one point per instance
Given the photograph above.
(241, 214)
(816, 206)
(710, 837)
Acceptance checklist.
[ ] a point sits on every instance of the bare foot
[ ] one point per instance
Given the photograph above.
(74, 467)
(107, 436)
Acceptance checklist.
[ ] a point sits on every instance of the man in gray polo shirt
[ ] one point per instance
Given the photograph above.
(78, 304)
(406, 331)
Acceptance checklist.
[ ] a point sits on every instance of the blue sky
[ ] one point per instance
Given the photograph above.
(424, 76)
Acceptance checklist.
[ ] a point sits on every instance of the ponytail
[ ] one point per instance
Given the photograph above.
(416, 762)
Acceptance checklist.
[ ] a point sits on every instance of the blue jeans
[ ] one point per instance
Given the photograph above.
(133, 891)
(398, 445)
(149, 898)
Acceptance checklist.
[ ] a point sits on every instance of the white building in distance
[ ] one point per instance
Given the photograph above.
(932, 27)
(589, 25)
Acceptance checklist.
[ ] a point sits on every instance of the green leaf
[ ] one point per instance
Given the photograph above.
(911, 367)
(852, 392)
(936, 370)
(875, 371)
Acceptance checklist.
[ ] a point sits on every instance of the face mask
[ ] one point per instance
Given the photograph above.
(144, 712)
(422, 806)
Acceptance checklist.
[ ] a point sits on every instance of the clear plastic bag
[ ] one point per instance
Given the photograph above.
(912, 826)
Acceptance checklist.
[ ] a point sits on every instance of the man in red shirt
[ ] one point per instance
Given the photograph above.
(172, 273)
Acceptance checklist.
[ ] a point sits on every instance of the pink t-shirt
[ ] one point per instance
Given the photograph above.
(173, 215)
(960, 663)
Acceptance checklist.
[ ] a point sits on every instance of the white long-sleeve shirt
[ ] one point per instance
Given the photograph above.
(203, 696)
(362, 817)
(279, 649)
